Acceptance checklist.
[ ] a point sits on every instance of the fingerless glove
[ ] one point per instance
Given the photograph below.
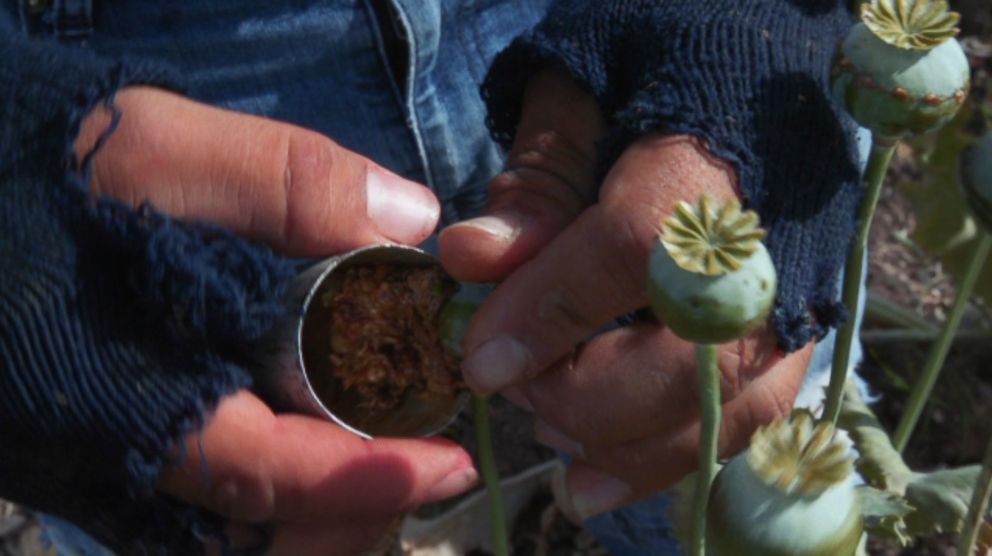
(750, 79)
(120, 329)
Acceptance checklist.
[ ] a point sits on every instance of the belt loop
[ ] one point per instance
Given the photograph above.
(73, 18)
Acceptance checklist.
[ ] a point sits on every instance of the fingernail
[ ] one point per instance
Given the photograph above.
(501, 225)
(552, 438)
(559, 491)
(495, 364)
(453, 484)
(402, 210)
(590, 494)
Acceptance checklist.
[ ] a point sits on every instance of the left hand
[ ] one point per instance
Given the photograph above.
(623, 403)
(317, 488)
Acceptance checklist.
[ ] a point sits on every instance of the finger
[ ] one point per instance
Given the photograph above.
(593, 271)
(287, 186)
(549, 179)
(637, 381)
(251, 465)
(612, 477)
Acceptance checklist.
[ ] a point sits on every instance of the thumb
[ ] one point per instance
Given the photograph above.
(289, 187)
(251, 465)
(550, 178)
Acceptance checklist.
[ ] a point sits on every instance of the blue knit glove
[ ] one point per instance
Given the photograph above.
(751, 79)
(119, 329)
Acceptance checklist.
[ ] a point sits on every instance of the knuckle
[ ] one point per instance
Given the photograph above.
(547, 169)
(764, 404)
(771, 403)
(629, 241)
(742, 362)
(536, 190)
(557, 154)
(309, 162)
(782, 400)
(730, 364)
(561, 308)
(246, 497)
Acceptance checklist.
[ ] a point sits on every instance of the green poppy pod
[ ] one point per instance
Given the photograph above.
(710, 278)
(900, 71)
(976, 179)
(792, 493)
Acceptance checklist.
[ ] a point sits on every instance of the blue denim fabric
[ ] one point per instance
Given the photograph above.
(69, 540)
(322, 65)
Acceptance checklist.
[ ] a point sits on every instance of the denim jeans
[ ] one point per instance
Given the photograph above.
(325, 65)
(69, 540)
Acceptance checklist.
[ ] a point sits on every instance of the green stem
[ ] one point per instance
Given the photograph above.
(487, 462)
(895, 336)
(979, 504)
(880, 310)
(709, 398)
(938, 352)
(878, 163)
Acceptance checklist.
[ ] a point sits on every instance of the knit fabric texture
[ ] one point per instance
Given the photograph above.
(750, 79)
(120, 329)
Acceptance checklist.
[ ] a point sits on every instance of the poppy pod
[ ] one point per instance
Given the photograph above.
(792, 493)
(900, 71)
(711, 279)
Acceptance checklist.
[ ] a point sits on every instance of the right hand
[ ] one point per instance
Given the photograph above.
(322, 490)
(570, 254)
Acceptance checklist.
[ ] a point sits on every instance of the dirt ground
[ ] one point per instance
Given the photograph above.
(958, 422)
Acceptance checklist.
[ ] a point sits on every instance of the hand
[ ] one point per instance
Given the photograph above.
(625, 402)
(269, 181)
(322, 490)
